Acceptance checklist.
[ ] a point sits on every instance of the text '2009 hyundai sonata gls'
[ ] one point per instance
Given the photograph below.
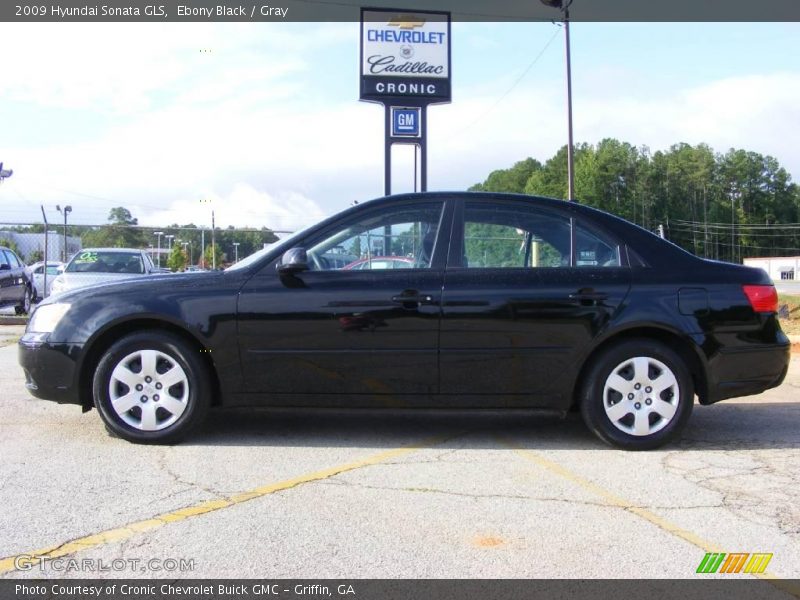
(509, 302)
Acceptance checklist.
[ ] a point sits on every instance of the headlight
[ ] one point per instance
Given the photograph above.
(45, 318)
(57, 286)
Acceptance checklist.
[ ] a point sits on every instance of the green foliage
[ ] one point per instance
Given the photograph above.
(177, 259)
(693, 191)
(11, 245)
(35, 256)
(119, 234)
(210, 253)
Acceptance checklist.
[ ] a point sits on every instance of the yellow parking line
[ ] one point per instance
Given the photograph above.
(647, 515)
(122, 533)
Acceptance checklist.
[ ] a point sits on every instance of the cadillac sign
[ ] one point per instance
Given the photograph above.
(405, 55)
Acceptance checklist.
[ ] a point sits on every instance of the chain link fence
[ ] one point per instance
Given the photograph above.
(171, 248)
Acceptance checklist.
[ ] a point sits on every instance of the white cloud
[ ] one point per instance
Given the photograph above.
(242, 206)
(239, 126)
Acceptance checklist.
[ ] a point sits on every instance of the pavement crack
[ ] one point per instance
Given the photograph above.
(176, 478)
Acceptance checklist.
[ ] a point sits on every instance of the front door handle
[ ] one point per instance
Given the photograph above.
(412, 299)
(588, 295)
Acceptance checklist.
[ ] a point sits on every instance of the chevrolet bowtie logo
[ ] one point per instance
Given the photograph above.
(406, 22)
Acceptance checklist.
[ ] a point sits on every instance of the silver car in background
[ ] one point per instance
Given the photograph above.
(36, 274)
(91, 266)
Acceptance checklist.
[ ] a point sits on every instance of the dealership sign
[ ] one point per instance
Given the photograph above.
(405, 55)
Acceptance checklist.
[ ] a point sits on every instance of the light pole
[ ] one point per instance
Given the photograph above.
(733, 228)
(563, 6)
(158, 256)
(236, 251)
(189, 255)
(169, 239)
(65, 212)
(5, 173)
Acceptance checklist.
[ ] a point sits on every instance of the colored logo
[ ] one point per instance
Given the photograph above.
(406, 22)
(736, 562)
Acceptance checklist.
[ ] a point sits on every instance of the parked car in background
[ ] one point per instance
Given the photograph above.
(380, 262)
(15, 284)
(512, 302)
(91, 266)
(36, 274)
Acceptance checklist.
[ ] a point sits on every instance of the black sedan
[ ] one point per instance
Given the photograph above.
(513, 302)
(15, 282)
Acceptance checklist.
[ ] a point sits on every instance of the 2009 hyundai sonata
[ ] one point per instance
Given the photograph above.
(511, 302)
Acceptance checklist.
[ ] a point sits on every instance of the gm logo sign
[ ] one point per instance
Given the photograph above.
(406, 122)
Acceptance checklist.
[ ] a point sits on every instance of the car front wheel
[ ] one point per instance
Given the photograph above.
(152, 387)
(638, 395)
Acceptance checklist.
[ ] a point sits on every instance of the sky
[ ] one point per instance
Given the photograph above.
(263, 121)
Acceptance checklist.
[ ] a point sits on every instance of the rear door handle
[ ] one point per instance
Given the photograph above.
(412, 299)
(588, 296)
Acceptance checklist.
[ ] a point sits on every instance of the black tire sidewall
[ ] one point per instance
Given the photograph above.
(24, 307)
(591, 399)
(185, 355)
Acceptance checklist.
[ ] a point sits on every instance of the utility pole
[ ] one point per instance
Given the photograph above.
(46, 255)
(65, 212)
(563, 6)
(213, 243)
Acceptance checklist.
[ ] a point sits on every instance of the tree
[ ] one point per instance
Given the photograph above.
(725, 206)
(177, 259)
(121, 232)
(11, 245)
(210, 253)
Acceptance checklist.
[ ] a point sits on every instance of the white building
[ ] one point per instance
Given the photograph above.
(28, 243)
(779, 268)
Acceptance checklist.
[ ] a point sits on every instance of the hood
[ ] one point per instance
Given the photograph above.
(82, 288)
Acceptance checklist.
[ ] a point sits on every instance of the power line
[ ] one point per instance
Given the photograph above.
(508, 91)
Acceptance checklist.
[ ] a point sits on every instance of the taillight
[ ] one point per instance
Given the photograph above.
(763, 298)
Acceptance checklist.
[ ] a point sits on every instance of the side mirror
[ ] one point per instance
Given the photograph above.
(5, 267)
(293, 260)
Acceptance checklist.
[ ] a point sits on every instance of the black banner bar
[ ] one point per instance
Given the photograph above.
(390, 589)
(349, 10)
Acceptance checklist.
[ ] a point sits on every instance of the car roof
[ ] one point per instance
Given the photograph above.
(126, 250)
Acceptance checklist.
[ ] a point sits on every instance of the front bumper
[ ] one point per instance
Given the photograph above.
(51, 370)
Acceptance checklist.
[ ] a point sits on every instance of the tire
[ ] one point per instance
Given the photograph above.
(638, 395)
(152, 387)
(24, 308)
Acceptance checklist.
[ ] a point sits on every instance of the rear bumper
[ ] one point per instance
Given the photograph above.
(51, 371)
(744, 371)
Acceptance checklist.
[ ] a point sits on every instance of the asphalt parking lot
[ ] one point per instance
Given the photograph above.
(373, 495)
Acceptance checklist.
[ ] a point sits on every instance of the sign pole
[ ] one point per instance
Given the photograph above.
(423, 167)
(387, 158)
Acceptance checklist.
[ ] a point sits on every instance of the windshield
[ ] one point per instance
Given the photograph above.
(105, 261)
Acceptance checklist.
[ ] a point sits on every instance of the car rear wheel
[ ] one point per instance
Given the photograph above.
(152, 387)
(24, 307)
(638, 395)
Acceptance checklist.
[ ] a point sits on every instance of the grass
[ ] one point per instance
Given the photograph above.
(789, 313)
